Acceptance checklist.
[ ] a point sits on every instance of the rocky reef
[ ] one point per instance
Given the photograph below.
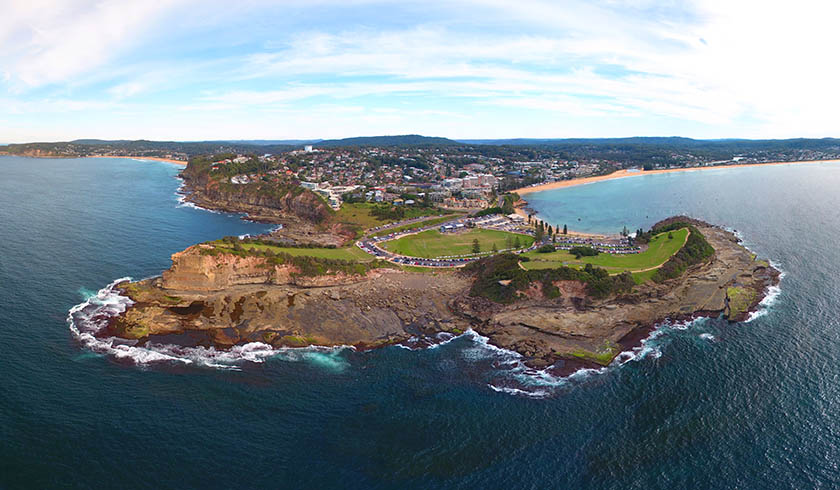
(225, 299)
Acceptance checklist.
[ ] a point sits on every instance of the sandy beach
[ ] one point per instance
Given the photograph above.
(620, 174)
(157, 159)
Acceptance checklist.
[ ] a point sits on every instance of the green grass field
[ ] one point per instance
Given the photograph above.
(358, 214)
(432, 244)
(421, 224)
(660, 249)
(348, 253)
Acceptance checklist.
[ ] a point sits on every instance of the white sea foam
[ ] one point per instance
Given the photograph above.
(431, 342)
(707, 336)
(88, 318)
(778, 267)
(518, 392)
(772, 295)
(183, 202)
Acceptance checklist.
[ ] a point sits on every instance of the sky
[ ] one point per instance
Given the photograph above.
(254, 69)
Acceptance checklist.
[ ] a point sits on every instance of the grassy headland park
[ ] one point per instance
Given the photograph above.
(660, 248)
(432, 244)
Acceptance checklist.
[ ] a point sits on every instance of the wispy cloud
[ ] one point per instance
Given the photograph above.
(475, 67)
(51, 41)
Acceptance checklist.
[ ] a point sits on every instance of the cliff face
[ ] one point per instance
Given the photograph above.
(260, 201)
(193, 271)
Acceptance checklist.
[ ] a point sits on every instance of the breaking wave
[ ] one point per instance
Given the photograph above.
(88, 319)
(181, 196)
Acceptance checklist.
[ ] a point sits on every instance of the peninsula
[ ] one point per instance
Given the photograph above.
(556, 311)
(377, 266)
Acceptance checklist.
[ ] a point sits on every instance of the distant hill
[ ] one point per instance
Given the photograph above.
(629, 151)
(401, 140)
(635, 140)
(658, 141)
(266, 142)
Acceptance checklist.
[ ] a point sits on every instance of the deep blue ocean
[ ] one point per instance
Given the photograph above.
(702, 405)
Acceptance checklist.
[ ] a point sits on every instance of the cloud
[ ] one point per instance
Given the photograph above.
(50, 41)
(721, 69)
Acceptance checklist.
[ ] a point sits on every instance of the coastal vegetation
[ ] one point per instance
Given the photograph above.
(433, 244)
(499, 278)
(579, 252)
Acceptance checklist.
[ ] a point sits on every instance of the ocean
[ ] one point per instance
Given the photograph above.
(701, 404)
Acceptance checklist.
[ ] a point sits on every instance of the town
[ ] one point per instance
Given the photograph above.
(411, 170)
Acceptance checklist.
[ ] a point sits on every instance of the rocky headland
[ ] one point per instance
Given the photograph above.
(304, 215)
(224, 299)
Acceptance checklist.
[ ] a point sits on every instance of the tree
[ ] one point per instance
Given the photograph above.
(476, 248)
(670, 236)
(565, 230)
(550, 231)
(516, 242)
(495, 248)
(625, 231)
(539, 234)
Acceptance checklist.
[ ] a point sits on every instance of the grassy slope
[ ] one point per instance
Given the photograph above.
(660, 249)
(431, 244)
(349, 253)
(422, 224)
(358, 215)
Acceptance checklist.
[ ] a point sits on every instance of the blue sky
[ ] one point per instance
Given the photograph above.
(251, 69)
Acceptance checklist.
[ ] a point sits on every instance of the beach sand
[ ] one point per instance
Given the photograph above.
(620, 174)
(157, 159)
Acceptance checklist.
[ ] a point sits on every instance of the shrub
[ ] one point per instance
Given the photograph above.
(579, 252)
(493, 273)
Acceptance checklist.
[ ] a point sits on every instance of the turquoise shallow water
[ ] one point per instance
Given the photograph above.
(749, 405)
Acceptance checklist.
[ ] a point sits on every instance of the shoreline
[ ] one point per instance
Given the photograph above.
(624, 173)
(156, 159)
(64, 157)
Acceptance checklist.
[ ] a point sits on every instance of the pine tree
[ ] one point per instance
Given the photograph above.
(476, 248)
(565, 230)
